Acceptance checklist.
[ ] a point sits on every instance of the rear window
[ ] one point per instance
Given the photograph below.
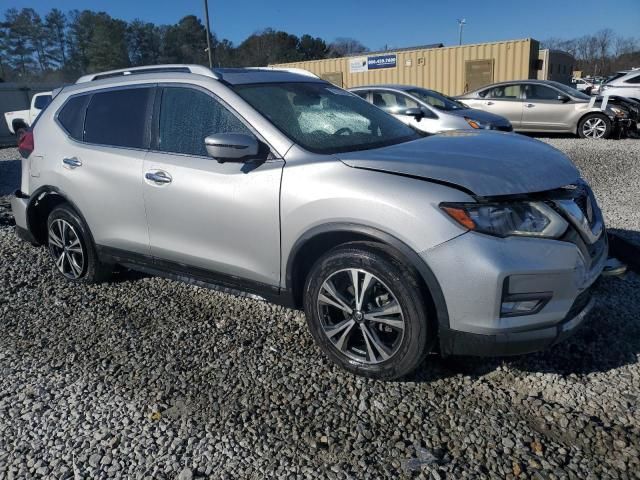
(71, 117)
(635, 79)
(118, 118)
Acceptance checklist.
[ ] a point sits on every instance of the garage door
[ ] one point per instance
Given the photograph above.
(477, 74)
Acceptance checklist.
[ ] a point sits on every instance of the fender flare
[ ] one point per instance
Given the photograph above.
(383, 237)
(45, 190)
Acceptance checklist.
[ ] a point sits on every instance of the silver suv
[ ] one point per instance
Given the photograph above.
(285, 188)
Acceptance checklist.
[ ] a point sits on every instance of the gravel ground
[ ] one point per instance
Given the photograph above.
(147, 378)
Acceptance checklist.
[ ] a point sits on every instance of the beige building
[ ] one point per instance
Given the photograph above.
(450, 70)
(555, 65)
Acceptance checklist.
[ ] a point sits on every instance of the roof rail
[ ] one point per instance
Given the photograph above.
(197, 69)
(299, 71)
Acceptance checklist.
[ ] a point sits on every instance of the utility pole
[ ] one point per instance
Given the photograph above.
(461, 23)
(206, 17)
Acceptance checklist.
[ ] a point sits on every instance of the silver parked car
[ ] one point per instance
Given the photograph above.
(282, 187)
(429, 111)
(547, 106)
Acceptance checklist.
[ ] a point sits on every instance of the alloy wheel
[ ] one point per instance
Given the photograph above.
(361, 316)
(594, 128)
(66, 249)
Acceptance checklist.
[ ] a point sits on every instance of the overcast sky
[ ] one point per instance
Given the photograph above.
(377, 23)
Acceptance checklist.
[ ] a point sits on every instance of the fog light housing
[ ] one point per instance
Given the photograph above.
(518, 304)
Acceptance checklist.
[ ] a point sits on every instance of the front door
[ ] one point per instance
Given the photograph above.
(504, 100)
(394, 103)
(203, 215)
(543, 111)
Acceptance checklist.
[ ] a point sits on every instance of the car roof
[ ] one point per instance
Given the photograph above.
(395, 86)
(230, 76)
(243, 76)
(549, 83)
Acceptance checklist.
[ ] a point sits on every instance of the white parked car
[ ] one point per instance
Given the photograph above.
(582, 85)
(625, 83)
(19, 121)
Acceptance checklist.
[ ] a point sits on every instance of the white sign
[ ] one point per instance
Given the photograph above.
(358, 64)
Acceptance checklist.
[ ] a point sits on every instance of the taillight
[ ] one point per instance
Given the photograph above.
(25, 145)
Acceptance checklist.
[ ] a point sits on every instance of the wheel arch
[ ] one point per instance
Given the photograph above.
(587, 114)
(320, 239)
(41, 203)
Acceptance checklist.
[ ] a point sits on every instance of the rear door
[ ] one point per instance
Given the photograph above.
(503, 100)
(98, 164)
(209, 216)
(543, 111)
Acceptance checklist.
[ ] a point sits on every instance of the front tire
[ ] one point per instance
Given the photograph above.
(595, 125)
(367, 312)
(71, 247)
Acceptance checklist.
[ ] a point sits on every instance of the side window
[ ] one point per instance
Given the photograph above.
(540, 92)
(118, 118)
(634, 80)
(392, 102)
(71, 116)
(187, 116)
(362, 94)
(504, 92)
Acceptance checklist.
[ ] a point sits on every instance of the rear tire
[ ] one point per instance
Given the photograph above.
(386, 333)
(595, 125)
(72, 249)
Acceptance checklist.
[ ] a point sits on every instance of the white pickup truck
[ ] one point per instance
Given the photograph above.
(19, 121)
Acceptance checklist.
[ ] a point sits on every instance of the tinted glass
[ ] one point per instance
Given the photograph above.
(540, 92)
(118, 118)
(436, 99)
(42, 101)
(504, 92)
(615, 77)
(71, 117)
(392, 102)
(634, 80)
(323, 118)
(570, 91)
(187, 116)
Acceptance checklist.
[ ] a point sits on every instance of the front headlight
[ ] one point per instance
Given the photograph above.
(618, 112)
(478, 124)
(534, 219)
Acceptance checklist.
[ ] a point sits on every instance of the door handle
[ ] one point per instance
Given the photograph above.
(489, 103)
(529, 105)
(72, 162)
(158, 176)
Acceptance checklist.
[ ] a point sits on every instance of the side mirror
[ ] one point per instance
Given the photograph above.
(417, 113)
(563, 98)
(231, 146)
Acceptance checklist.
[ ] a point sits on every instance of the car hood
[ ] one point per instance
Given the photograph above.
(486, 163)
(480, 115)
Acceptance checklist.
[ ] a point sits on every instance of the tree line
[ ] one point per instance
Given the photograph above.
(60, 47)
(601, 53)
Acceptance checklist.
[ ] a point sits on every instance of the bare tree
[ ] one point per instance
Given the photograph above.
(342, 47)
